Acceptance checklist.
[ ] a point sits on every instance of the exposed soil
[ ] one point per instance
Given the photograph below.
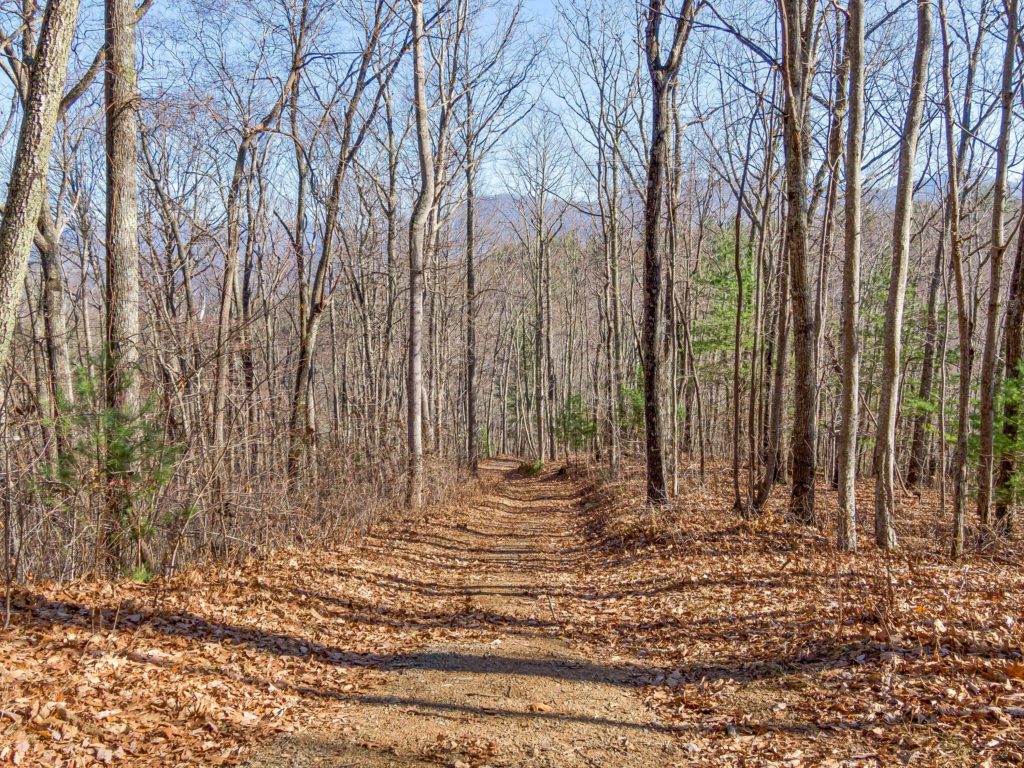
(518, 695)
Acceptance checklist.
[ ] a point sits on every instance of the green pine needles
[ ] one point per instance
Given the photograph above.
(119, 457)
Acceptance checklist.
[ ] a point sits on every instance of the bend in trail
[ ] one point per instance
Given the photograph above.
(503, 684)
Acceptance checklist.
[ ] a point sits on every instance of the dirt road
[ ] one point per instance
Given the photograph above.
(518, 693)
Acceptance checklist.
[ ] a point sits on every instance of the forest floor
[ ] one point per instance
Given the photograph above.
(538, 621)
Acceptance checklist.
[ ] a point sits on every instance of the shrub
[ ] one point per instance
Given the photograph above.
(531, 468)
(119, 455)
(575, 427)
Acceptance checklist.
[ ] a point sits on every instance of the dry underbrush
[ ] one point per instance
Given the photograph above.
(776, 649)
(199, 668)
(57, 530)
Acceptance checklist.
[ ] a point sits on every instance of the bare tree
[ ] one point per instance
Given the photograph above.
(847, 448)
(664, 74)
(121, 358)
(885, 441)
(417, 254)
(999, 244)
(492, 106)
(798, 44)
(248, 138)
(352, 129)
(965, 327)
(27, 185)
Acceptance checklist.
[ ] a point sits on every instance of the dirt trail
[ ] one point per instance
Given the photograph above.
(516, 694)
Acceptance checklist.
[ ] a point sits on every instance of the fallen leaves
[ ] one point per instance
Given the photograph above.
(761, 627)
(755, 640)
(201, 668)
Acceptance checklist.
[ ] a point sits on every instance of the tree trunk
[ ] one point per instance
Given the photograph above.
(27, 186)
(1013, 343)
(539, 346)
(664, 75)
(885, 445)
(657, 493)
(797, 76)
(964, 325)
(472, 441)
(1013, 346)
(741, 505)
(986, 436)
(916, 470)
(773, 442)
(228, 287)
(417, 254)
(849, 411)
(62, 391)
(885, 440)
(548, 359)
(122, 233)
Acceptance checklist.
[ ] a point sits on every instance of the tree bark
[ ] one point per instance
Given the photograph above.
(58, 360)
(1013, 342)
(986, 408)
(849, 411)
(1013, 346)
(965, 327)
(797, 76)
(916, 469)
(773, 441)
(472, 440)
(664, 75)
(27, 186)
(885, 440)
(121, 358)
(417, 254)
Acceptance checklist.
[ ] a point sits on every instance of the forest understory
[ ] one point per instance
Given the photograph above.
(276, 276)
(547, 620)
